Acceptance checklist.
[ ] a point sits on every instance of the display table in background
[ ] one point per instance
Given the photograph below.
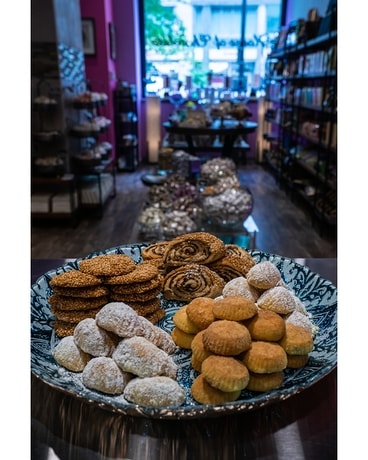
(222, 135)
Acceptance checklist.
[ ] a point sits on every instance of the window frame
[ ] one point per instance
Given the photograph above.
(143, 62)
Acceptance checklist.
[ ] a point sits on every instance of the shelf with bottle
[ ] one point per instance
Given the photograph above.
(300, 118)
(126, 127)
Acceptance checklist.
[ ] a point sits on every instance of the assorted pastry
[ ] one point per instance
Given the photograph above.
(238, 319)
(87, 97)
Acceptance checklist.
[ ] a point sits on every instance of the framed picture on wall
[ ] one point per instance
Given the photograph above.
(88, 36)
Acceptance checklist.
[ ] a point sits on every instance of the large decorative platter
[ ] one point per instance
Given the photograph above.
(318, 295)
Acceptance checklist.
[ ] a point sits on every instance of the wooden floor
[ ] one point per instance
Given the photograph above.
(285, 228)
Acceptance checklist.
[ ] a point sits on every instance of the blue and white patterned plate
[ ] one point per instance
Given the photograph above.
(318, 295)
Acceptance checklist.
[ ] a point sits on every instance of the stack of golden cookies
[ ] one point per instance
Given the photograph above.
(139, 289)
(76, 296)
(246, 338)
(80, 294)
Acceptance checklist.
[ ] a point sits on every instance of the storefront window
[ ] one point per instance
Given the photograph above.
(193, 44)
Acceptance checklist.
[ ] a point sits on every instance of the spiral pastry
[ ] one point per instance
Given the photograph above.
(236, 250)
(191, 281)
(230, 267)
(196, 248)
(154, 250)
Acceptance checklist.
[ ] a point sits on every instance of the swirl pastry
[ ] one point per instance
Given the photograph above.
(154, 250)
(191, 281)
(236, 250)
(230, 267)
(196, 247)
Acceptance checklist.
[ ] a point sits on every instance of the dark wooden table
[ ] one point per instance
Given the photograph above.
(303, 426)
(227, 131)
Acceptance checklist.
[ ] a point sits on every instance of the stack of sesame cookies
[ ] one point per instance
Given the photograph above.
(76, 296)
(139, 289)
(80, 294)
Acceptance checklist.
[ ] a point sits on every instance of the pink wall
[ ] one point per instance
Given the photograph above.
(100, 69)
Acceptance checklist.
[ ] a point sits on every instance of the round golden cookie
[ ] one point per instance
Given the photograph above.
(59, 302)
(297, 340)
(198, 349)
(107, 265)
(182, 321)
(297, 361)
(74, 316)
(75, 279)
(154, 250)
(204, 393)
(233, 266)
(64, 328)
(181, 338)
(86, 292)
(226, 338)
(266, 325)
(225, 373)
(193, 248)
(234, 308)
(263, 275)
(265, 382)
(142, 272)
(195, 363)
(277, 299)
(240, 286)
(200, 312)
(69, 355)
(265, 357)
